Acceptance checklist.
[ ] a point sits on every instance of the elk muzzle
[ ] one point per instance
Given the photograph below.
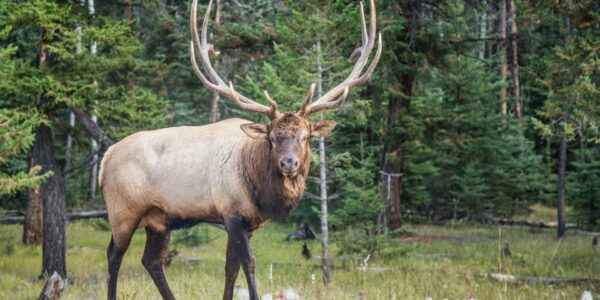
(289, 165)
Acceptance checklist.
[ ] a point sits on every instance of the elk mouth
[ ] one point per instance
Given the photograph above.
(290, 174)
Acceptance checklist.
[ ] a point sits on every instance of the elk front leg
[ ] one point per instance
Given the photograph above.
(232, 268)
(239, 240)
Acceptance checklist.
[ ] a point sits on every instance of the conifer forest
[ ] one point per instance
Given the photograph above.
(466, 167)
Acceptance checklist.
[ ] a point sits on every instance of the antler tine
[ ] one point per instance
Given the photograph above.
(200, 42)
(327, 105)
(273, 111)
(309, 95)
(212, 81)
(354, 79)
(251, 106)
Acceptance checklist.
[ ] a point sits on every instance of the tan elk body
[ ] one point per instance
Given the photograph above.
(180, 172)
(232, 172)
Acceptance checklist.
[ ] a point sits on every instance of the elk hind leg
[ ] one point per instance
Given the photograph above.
(154, 253)
(117, 247)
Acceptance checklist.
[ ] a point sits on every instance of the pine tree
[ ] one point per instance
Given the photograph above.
(569, 75)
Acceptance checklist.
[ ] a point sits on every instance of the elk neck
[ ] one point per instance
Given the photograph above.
(272, 193)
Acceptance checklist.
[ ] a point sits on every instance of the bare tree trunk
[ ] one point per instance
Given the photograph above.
(482, 30)
(93, 129)
(560, 184)
(514, 70)
(69, 147)
(323, 183)
(128, 10)
(503, 64)
(214, 99)
(490, 45)
(170, 58)
(94, 144)
(218, 12)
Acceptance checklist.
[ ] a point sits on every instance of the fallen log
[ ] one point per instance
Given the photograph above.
(526, 223)
(539, 280)
(12, 220)
(87, 215)
(70, 217)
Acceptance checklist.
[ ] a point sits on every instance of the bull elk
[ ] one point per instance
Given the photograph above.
(233, 172)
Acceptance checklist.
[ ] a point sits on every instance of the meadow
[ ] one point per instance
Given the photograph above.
(431, 261)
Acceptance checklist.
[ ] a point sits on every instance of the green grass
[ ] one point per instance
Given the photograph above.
(443, 263)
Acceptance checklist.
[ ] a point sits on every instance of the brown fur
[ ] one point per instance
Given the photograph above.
(273, 194)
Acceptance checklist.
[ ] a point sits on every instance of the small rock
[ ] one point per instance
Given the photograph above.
(241, 294)
(586, 295)
(291, 294)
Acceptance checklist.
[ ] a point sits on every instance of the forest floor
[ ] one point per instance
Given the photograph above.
(432, 261)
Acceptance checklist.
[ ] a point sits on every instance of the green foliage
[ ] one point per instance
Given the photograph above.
(460, 156)
(135, 111)
(16, 135)
(583, 187)
(362, 240)
(359, 204)
(105, 83)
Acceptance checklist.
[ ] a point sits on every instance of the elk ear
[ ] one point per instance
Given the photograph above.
(255, 131)
(322, 128)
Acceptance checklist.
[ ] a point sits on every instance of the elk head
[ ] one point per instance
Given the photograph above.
(288, 133)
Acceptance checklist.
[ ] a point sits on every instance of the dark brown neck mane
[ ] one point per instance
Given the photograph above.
(273, 194)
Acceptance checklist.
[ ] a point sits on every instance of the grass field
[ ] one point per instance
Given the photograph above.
(436, 262)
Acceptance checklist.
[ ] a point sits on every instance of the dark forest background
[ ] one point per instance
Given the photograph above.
(485, 107)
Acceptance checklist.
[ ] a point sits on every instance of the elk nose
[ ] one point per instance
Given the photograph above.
(288, 164)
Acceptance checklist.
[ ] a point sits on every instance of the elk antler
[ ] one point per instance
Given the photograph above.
(216, 84)
(354, 79)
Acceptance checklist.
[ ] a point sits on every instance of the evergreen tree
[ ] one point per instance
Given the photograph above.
(583, 187)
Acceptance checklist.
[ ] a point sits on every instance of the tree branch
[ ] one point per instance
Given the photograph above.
(93, 129)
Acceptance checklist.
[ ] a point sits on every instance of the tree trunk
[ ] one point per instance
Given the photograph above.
(491, 22)
(560, 184)
(53, 203)
(214, 99)
(94, 170)
(482, 30)
(94, 144)
(218, 12)
(128, 10)
(503, 64)
(68, 150)
(93, 129)
(514, 70)
(393, 151)
(394, 157)
(323, 183)
(32, 227)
